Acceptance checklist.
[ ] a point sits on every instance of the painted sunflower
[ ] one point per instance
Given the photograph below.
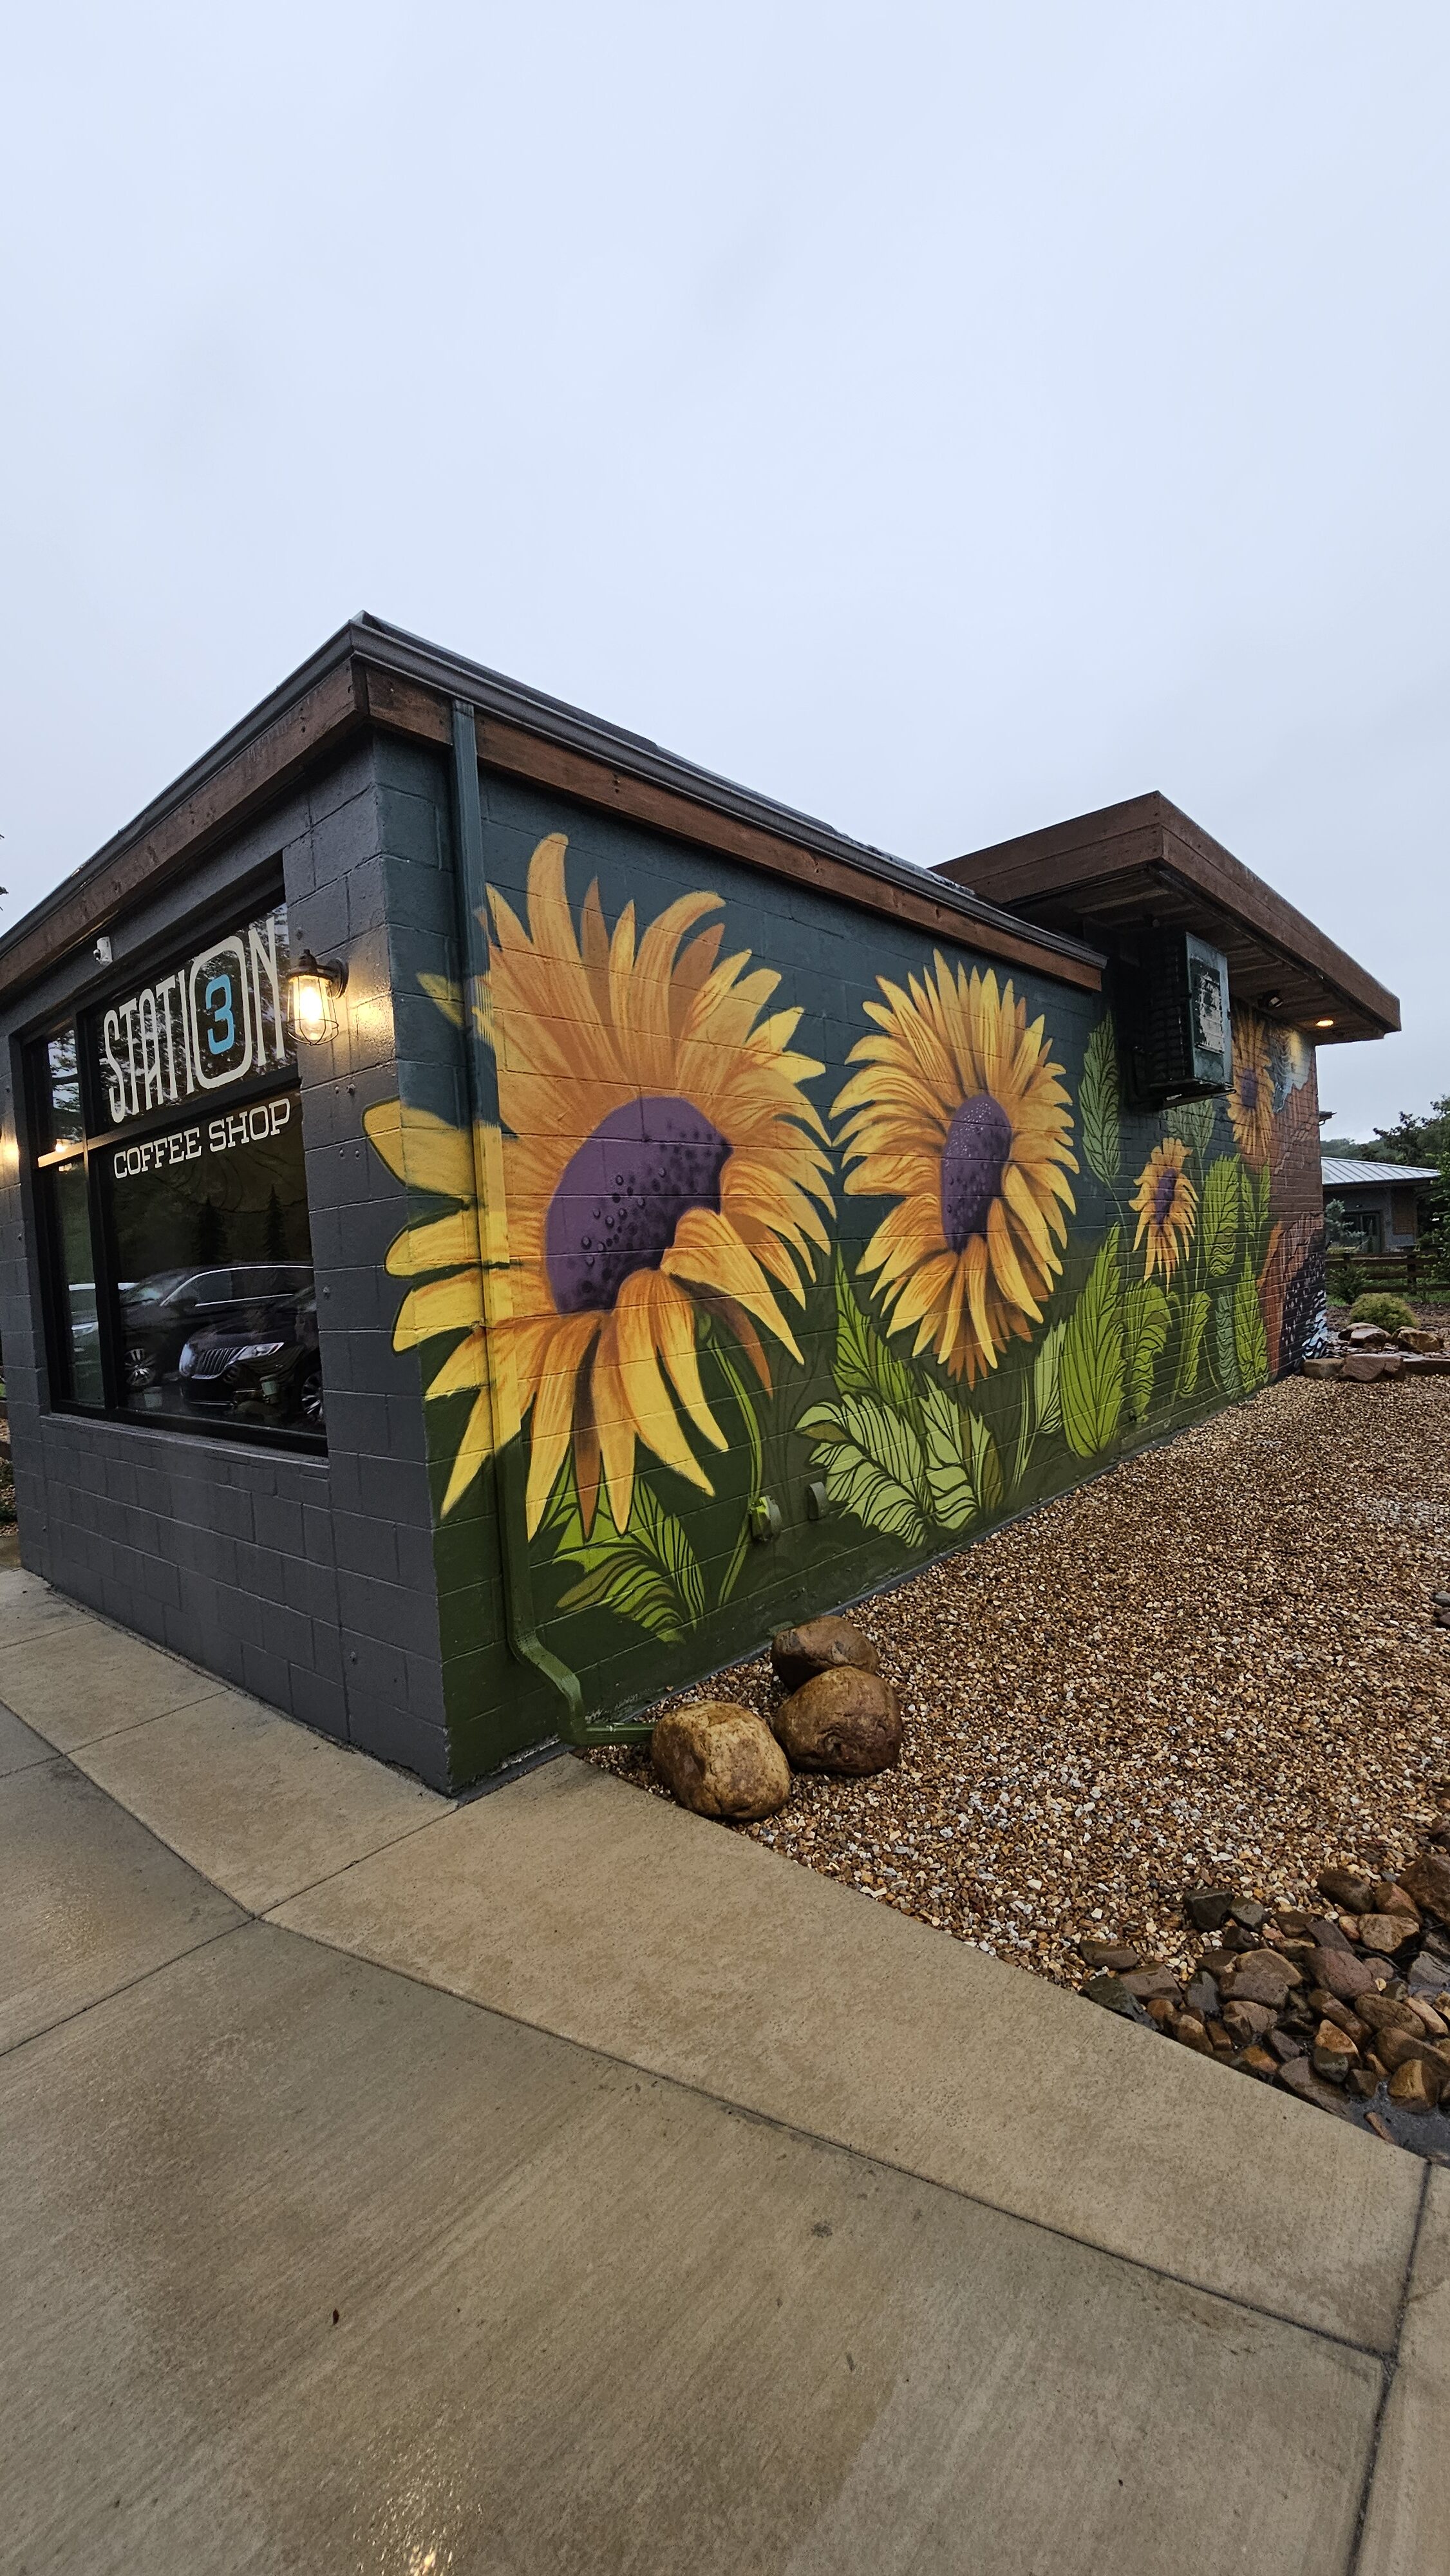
(657, 1161)
(959, 1115)
(1251, 1090)
(1166, 1206)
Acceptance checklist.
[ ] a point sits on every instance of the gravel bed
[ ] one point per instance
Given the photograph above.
(1214, 1663)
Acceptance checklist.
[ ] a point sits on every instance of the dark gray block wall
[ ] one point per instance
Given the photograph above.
(308, 1581)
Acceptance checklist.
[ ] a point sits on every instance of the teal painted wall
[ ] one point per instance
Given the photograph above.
(729, 1258)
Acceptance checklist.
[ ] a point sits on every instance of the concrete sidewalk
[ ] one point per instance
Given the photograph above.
(558, 2182)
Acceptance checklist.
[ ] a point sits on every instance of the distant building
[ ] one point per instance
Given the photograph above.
(1375, 1206)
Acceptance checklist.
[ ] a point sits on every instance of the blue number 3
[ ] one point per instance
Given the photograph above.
(221, 1011)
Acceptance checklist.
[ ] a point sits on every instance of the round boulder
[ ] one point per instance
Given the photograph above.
(842, 1720)
(720, 1759)
(798, 1654)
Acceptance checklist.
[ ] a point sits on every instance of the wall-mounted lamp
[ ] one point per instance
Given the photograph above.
(1324, 1024)
(312, 992)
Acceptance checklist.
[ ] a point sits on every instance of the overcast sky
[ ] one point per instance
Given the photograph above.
(945, 418)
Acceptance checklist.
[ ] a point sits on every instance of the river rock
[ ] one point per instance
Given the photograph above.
(1108, 1954)
(1412, 1337)
(720, 1760)
(1113, 1995)
(1263, 1977)
(1348, 1888)
(843, 1720)
(1148, 1983)
(1333, 2053)
(1342, 1973)
(1427, 1883)
(1413, 2086)
(1208, 1908)
(818, 1646)
(1384, 1932)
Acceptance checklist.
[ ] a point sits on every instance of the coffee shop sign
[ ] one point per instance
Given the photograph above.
(208, 1024)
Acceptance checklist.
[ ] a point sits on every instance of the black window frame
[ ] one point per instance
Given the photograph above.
(99, 1138)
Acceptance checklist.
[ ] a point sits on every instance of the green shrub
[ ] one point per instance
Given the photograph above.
(1346, 1281)
(1390, 1313)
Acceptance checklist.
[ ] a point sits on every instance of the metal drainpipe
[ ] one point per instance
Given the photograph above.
(508, 1464)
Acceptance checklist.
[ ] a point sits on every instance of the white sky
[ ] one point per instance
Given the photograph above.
(946, 418)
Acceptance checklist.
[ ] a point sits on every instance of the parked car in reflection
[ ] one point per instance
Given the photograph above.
(243, 1304)
(271, 1373)
(260, 1363)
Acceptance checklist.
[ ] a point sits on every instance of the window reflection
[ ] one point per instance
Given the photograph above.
(218, 1309)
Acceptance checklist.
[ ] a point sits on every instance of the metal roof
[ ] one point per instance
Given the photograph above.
(1341, 1175)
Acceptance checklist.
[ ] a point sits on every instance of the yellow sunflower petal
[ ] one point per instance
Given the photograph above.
(474, 1451)
(446, 1244)
(422, 1150)
(439, 1306)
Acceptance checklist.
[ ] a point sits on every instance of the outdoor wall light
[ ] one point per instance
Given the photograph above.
(1324, 1024)
(312, 992)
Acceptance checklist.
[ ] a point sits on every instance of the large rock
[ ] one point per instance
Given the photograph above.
(1414, 2086)
(1263, 1977)
(1413, 1337)
(1347, 1887)
(1343, 1974)
(798, 1654)
(1366, 1367)
(1385, 1933)
(721, 1760)
(844, 1720)
(1427, 1881)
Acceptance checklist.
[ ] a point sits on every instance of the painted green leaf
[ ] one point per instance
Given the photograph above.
(1100, 1104)
(648, 1573)
(1046, 1381)
(872, 1473)
(1219, 1220)
(1192, 1122)
(1223, 1343)
(1190, 1349)
(948, 1476)
(1091, 1369)
(1251, 1344)
(986, 1466)
(863, 1364)
(1256, 1187)
(1145, 1330)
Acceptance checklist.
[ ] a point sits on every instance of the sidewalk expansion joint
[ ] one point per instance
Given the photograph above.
(1389, 2367)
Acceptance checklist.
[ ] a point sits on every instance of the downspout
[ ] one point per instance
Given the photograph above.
(491, 1215)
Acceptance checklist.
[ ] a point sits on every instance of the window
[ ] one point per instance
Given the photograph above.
(171, 1172)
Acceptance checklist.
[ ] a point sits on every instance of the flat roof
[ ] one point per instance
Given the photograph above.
(1145, 860)
(370, 674)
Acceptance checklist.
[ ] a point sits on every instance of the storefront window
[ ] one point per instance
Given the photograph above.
(179, 1232)
(79, 1329)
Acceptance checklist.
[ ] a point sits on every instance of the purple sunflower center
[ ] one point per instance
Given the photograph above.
(1248, 1087)
(973, 1160)
(1164, 1196)
(622, 1195)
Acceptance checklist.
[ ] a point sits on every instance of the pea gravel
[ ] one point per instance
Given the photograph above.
(1214, 1664)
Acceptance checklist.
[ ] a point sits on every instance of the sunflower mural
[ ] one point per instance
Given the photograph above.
(634, 1268)
(1165, 1206)
(1251, 1089)
(959, 1116)
(657, 1172)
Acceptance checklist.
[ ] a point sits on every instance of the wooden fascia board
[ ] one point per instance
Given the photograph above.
(1199, 862)
(516, 752)
(253, 777)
